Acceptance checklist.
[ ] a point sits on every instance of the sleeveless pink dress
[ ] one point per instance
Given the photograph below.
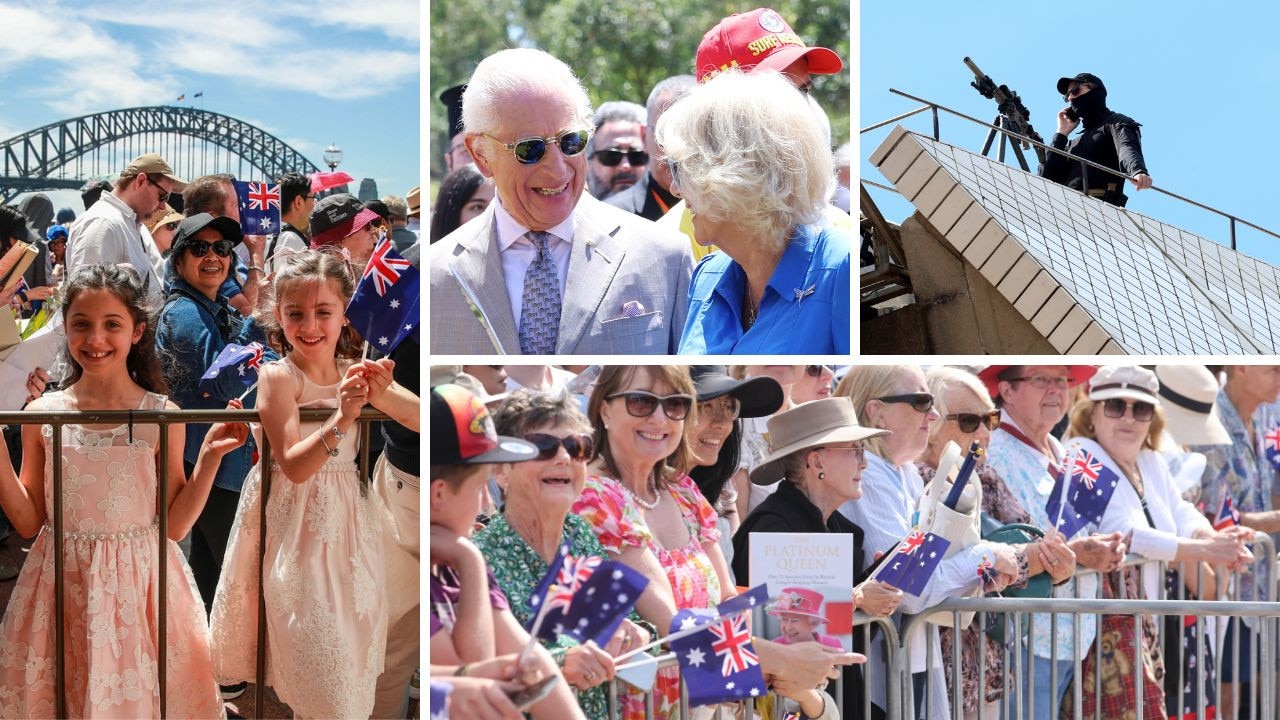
(326, 608)
(111, 570)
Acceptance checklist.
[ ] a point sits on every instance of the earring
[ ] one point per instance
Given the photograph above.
(822, 476)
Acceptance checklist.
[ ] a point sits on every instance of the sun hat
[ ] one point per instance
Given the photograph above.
(990, 376)
(758, 396)
(809, 425)
(1187, 394)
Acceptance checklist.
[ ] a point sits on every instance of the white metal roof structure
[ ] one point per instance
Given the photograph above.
(1091, 277)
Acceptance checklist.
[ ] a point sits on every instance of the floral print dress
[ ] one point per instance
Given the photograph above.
(618, 523)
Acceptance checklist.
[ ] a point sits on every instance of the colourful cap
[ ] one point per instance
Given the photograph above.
(760, 38)
(462, 432)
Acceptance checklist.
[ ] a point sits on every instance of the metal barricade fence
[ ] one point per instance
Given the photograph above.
(1251, 615)
(864, 624)
(163, 418)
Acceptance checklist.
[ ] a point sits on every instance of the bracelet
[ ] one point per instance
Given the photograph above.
(333, 452)
(462, 670)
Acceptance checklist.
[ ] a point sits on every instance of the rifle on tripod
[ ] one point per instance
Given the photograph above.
(1013, 116)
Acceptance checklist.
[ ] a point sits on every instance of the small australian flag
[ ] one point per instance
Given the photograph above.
(259, 207)
(718, 663)
(384, 308)
(1271, 446)
(912, 563)
(1090, 485)
(1227, 516)
(241, 360)
(586, 597)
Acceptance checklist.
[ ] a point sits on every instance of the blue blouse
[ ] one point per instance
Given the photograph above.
(804, 310)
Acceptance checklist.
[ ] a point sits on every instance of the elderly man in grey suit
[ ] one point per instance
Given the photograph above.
(548, 269)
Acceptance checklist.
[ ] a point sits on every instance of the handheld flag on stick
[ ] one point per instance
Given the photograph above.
(1227, 516)
(718, 662)
(987, 575)
(1087, 486)
(259, 207)
(912, 563)
(752, 598)
(384, 308)
(241, 360)
(585, 598)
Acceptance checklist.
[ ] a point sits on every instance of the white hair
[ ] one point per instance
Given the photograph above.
(513, 71)
(749, 150)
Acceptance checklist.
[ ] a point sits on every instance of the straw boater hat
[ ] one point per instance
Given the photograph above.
(811, 424)
(798, 601)
(1187, 394)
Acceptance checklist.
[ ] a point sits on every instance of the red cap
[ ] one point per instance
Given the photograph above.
(760, 38)
(990, 376)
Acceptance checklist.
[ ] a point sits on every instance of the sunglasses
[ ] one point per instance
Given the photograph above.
(815, 370)
(200, 248)
(613, 156)
(1115, 408)
(970, 422)
(725, 408)
(164, 194)
(1076, 91)
(642, 404)
(920, 402)
(530, 150)
(580, 447)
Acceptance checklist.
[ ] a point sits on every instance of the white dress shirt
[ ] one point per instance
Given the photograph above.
(109, 232)
(518, 253)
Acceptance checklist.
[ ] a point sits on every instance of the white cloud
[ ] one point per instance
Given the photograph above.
(336, 74)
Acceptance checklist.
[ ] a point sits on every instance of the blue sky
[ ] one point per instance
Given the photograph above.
(1199, 77)
(310, 73)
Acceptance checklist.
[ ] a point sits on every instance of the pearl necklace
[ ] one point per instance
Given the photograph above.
(649, 506)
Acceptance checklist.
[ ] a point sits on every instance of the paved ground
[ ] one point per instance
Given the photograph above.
(13, 551)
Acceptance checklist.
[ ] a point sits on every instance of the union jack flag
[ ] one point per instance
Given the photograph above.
(1227, 516)
(1087, 468)
(987, 574)
(263, 196)
(384, 268)
(733, 644)
(573, 573)
(911, 566)
(912, 542)
(259, 207)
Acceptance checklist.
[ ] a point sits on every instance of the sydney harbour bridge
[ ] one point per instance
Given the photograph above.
(63, 155)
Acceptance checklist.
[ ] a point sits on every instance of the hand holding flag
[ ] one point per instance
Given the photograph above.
(241, 360)
(1087, 486)
(259, 207)
(910, 566)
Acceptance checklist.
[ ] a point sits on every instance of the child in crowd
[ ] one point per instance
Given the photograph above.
(797, 610)
(111, 567)
(326, 611)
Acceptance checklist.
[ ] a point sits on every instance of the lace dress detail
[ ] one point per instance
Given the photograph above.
(112, 576)
(326, 611)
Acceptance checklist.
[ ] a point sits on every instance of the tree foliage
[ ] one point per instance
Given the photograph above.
(619, 48)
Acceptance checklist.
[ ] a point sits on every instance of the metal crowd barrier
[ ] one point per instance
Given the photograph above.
(163, 418)
(1263, 698)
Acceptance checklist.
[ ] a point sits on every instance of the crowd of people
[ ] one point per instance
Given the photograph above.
(700, 223)
(657, 466)
(145, 291)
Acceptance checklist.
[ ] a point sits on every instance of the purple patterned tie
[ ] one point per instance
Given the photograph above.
(540, 304)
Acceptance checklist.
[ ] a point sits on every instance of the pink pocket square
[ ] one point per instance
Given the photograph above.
(632, 308)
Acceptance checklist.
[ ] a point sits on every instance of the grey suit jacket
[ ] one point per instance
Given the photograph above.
(616, 258)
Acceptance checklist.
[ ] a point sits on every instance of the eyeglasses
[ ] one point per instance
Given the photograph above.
(859, 451)
(164, 194)
(530, 150)
(613, 156)
(200, 248)
(920, 402)
(969, 422)
(1076, 91)
(642, 404)
(1115, 408)
(724, 408)
(815, 370)
(1044, 382)
(581, 448)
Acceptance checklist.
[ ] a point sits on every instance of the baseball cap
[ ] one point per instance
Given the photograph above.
(462, 431)
(55, 231)
(187, 229)
(760, 38)
(153, 164)
(338, 216)
(1064, 83)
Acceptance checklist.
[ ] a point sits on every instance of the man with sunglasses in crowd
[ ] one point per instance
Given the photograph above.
(1032, 400)
(548, 269)
(616, 157)
(1245, 472)
(111, 231)
(1108, 138)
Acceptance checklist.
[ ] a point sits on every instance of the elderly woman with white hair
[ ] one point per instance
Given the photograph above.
(752, 162)
(966, 414)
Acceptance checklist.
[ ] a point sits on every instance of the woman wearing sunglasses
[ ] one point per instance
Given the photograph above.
(967, 414)
(897, 398)
(756, 176)
(1120, 424)
(194, 326)
(519, 544)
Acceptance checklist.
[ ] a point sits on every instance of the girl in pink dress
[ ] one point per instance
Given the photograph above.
(111, 560)
(326, 610)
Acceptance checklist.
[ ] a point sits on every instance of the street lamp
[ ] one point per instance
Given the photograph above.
(332, 156)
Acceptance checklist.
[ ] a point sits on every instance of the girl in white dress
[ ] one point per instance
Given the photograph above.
(326, 608)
